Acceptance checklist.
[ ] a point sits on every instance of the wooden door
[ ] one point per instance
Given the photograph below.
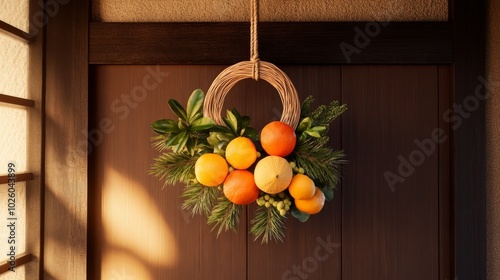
(373, 229)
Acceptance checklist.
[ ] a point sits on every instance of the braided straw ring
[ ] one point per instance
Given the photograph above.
(243, 70)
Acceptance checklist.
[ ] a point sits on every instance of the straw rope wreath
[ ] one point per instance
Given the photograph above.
(254, 69)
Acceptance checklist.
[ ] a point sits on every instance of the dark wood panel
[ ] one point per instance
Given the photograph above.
(139, 229)
(279, 42)
(446, 239)
(65, 163)
(390, 230)
(469, 155)
(311, 250)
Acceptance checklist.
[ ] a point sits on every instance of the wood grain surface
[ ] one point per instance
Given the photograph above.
(66, 119)
(279, 42)
(367, 232)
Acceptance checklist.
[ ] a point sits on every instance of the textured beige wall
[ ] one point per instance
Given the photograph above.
(270, 10)
(493, 141)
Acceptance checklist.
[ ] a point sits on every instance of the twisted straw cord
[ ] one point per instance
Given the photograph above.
(254, 69)
(254, 40)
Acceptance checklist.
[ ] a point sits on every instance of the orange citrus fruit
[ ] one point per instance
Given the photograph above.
(301, 187)
(273, 174)
(211, 169)
(239, 187)
(241, 153)
(312, 205)
(278, 139)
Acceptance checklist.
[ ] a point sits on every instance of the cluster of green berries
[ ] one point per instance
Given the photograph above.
(280, 201)
(295, 168)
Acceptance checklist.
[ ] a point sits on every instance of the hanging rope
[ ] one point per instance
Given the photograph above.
(255, 69)
(254, 41)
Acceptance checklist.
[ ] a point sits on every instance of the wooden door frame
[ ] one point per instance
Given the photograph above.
(72, 44)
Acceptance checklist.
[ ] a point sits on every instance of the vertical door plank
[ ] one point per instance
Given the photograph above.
(390, 231)
(446, 240)
(303, 255)
(65, 82)
(140, 229)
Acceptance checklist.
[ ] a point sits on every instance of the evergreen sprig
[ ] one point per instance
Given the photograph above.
(174, 167)
(199, 199)
(269, 224)
(320, 162)
(324, 114)
(225, 215)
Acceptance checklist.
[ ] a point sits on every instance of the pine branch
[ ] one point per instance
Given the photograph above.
(174, 167)
(159, 143)
(224, 216)
(305, 110)
(324, 115)
(269, 224)
(320, 162)
(199, 199)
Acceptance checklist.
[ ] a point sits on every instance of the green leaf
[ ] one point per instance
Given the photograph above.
(236, 113)
(182, 125)
(202, 124)
(251, 133)
(225, 137)
(194, 104)
(319, 128)
(231, 122)
(221, 129)
(313, 133)
(170, 138)
(328, 193)
(182, 142)
(304, 124)
(245, 121)
(212, 139)
(196, 116)
(301, 216)
(177, 109)
(175, 139)
(165, 126)
(190, 145)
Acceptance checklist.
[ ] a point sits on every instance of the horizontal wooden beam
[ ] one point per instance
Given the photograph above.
(16, 101)
(20, 260)
(20, 177)
(279, 43)
(14, 31)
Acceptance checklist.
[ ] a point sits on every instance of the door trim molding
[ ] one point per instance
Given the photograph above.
(279, 42)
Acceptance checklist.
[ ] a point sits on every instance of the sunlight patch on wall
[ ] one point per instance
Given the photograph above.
(19, 274)
(13, 66)
(13, 137)
(270, 10)
(133, 226)
(20, 227)
(15, 13)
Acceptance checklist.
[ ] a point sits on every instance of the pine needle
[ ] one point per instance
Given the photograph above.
(159, 143)
(174, 167)
(269, 224)
(305, 110)
(324, 115)
(320, 162)
(224, 216)
(199, 199)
